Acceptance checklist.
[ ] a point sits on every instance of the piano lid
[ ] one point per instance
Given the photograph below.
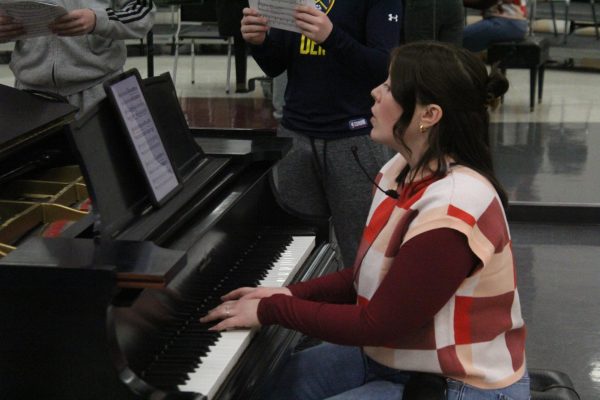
(25, 118)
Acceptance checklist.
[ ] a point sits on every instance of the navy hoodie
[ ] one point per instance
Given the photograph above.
(329, 85)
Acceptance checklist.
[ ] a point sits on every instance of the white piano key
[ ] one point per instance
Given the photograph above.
(216, 365)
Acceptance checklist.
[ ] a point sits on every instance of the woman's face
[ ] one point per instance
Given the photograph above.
(386, 112)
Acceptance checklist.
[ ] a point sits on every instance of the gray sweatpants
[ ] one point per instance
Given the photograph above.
(325, 180)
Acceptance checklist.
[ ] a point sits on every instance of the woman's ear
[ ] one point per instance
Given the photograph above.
(431, 115)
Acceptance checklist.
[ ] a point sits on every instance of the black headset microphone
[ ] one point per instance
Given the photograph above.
(390, 192)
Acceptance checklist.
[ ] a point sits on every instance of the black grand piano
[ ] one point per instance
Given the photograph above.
(101, 291)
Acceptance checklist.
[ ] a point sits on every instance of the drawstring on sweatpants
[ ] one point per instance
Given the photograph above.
(321, 170)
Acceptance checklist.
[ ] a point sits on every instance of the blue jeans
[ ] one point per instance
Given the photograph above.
(480, 35)
(517, 391)
(335, 372)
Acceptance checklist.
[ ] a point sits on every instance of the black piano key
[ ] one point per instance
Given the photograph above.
(188, 356)
(168, 383)
(196, 334)
(170, 364)
(172, 371)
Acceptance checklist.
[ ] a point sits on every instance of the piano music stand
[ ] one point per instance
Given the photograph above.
(127, 97)
(164, 105)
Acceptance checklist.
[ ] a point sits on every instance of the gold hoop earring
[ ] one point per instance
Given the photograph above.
(422, 128)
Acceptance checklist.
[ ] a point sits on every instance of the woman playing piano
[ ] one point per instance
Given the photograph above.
(433, 286)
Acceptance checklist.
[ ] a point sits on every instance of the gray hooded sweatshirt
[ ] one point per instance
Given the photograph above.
(68, 65)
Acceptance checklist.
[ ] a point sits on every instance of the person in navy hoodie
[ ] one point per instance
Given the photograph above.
(340, 54)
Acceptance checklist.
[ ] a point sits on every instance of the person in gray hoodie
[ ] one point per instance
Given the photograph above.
(86, 47)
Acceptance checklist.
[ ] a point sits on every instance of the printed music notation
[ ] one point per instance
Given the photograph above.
(145, 137)
(280, 13)
(34, 15)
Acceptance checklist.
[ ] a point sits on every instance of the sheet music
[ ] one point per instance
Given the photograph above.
(145, 137)
(34, 15)
(280, 12)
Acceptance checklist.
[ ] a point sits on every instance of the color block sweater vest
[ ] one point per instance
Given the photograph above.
(478, 336)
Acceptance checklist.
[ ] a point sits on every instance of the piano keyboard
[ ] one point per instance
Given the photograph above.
(223, 355)
(200, 367)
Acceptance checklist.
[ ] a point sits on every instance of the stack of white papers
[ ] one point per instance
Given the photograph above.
(280, 12)
(34, 15)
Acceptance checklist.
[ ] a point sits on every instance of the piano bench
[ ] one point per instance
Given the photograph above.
(545, 385)
(551, 385)
(531, 53)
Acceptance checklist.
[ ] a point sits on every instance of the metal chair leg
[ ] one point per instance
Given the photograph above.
(542, 69)
(533, 11)
(553, 13)
(593, 5)
(193, 53)
(566, 21)
(503, 71)
(176, 41)
(532, 82)
(175, 61)
(228, 84)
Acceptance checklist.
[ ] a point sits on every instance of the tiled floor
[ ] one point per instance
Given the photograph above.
(548, 157)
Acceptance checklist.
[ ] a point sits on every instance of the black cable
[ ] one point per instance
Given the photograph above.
(390, 192)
